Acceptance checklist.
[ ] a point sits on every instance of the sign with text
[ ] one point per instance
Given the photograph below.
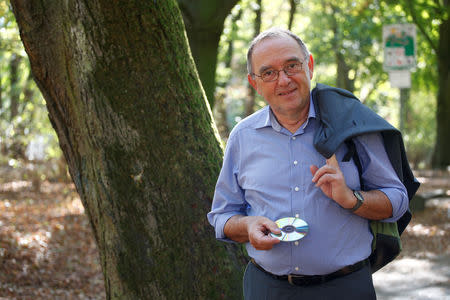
(399, 42)
(400, 79)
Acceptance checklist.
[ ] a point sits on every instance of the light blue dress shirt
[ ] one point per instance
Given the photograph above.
(266, 172)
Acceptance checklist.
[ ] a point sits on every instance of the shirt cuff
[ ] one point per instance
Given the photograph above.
(220, 224)
(399, 202)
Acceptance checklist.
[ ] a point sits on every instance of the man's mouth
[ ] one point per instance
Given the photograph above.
(284, 93)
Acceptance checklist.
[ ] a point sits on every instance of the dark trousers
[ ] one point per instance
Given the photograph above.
(260, 286)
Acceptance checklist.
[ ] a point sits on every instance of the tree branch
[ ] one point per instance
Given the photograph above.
(421, 28)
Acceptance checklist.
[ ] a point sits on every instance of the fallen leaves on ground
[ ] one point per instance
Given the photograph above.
(47, 250)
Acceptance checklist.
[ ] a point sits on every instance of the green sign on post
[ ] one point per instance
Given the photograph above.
(399, 42)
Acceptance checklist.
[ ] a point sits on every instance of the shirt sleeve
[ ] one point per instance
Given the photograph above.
(229, 199)
(378, 173)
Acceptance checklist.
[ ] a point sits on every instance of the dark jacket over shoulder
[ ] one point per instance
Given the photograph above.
(342, 116)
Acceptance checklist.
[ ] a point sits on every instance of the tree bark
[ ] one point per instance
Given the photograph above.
(138, 136)
(204, 20)
(441, 155)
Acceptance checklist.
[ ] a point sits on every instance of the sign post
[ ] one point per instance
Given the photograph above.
(399, 42)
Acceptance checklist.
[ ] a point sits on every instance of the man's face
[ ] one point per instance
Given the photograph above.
(288, 95)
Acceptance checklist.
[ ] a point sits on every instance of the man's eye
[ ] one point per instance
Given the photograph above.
(268, 73)
(292, 66)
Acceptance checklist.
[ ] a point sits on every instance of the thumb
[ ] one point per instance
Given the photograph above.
(273, 227)
(332, 161)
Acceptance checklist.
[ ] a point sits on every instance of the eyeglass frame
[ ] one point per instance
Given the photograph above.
(283, 69)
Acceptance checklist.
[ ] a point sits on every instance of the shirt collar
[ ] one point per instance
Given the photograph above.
(268, 118)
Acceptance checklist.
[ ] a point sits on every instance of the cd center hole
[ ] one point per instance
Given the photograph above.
(288, 229)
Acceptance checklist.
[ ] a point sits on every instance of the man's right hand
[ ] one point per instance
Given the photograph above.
(253, 229)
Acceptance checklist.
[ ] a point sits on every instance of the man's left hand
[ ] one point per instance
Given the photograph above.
(331, 181)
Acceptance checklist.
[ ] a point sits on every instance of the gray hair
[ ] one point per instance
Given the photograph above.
(272, 33)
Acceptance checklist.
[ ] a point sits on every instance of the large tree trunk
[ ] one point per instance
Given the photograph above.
(441, 156)
(204, 25)
(139, 140)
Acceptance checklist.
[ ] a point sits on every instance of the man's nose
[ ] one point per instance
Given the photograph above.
(283, 78)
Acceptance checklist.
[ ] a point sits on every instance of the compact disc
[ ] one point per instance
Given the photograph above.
(292, 229)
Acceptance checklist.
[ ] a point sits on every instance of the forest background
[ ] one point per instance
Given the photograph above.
(343, 36)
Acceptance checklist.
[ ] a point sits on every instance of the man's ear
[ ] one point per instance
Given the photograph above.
(311, 66)
(252, 82)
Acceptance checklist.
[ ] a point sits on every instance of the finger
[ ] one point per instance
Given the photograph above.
(326, 179)
(273, 227)
(313, 169)
(263, 242)
(326, 169)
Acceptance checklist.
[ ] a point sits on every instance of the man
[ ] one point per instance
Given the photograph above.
(271, 170)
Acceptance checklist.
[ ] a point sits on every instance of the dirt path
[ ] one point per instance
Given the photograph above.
(422, 271)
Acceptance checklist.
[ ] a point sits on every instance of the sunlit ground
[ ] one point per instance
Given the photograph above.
(46, 246)
(422, 270)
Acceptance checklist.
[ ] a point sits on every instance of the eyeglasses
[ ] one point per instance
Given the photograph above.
(290, 69)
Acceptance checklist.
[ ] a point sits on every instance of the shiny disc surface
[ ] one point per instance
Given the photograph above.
(292, 229)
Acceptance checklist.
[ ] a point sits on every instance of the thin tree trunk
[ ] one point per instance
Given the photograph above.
(138, 136)
(342, 69)
(28, 91)
(222, 117)
(14, 90)
(204, 25)
(293, 5)
(234, 29)
(251, 96)
(441, 155)
(1, 95)
(404, 110)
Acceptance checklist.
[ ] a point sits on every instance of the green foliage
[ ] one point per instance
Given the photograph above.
(421, 134)
(328, 27)
(24, 124)
(352, 29)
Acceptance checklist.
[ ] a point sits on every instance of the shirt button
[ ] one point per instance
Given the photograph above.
(297, 215)
(297, 268)
(293, 137)
(295, 162)
(296, 189)
(296, 243)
